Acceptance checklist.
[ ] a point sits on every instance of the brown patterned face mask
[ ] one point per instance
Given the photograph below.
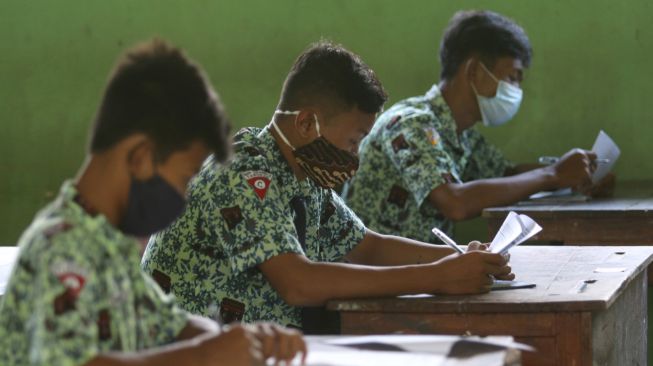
(326, 164)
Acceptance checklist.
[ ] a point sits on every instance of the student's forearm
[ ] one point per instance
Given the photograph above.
(178, 353)
(522, 168)
(345, 280)
(197, 326)
(390, 250)
(467, 200)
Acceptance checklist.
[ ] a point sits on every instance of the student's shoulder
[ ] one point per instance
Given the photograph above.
(56, 237)
(250, 165)
(249, 155)
(407, 113)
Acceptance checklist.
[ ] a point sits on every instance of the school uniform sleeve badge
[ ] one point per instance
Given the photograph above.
(260, 181)
(432, 135)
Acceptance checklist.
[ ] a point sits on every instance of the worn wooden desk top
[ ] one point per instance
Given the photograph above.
(632, 199)
(559, 273)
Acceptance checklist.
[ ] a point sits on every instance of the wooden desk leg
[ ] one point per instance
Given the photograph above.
(619, 333)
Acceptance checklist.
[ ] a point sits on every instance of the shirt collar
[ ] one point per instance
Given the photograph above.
(96, 223)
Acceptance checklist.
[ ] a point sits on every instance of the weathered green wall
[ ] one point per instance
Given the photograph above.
(591, 70)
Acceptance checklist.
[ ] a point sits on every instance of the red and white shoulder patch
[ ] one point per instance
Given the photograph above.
(259, 180)
(72, 276)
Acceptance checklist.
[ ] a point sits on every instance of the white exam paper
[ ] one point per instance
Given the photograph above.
(410, 343)
(419, 350)
(515, 230)
(327, 355)
(8, 257)
(604, 148)
(325, 352)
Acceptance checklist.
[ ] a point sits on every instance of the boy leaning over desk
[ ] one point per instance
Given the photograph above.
(77, 295)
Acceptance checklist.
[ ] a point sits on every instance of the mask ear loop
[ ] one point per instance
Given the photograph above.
(296, 114)
(276, 128)
(317, 125)
(486, 70)
(489, 73)
(470, 82)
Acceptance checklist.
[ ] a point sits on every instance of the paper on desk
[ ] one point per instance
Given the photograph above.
(438, 344)
(604, 148)
(559, 196)
(405, 349)
(8, 257)
(324, 355)
(562, 192)
(515, 230)
(406, 343)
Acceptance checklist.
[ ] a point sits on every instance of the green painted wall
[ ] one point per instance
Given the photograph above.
(591, 70)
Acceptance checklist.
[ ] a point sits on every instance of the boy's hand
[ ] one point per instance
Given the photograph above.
(604, 188)
(472, 272)
(235, 345)
(252, 344)
(575, 168)
(281, 344)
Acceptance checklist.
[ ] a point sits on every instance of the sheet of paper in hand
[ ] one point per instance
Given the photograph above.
(604, 148)
(515, 230)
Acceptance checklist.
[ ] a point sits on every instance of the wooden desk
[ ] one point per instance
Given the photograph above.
(626, 219)
(604, 322)
(8, 256)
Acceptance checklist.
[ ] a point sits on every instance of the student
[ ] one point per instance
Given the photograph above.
(77, 294)
(267, 235)
(424, 166)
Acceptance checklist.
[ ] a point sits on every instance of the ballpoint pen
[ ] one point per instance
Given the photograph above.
(447, 240)
(548, 160)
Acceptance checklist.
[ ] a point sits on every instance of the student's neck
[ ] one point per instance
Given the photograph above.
(97, 187)
(286, 151)
(457, 97)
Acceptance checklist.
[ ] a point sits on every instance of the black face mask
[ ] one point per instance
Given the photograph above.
(153, 204)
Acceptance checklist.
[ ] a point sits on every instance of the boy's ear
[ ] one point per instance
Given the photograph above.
(305, 123)
(140, 158)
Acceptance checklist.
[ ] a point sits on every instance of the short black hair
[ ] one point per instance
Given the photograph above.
(156, 90)
(486, 33)
(329, 75)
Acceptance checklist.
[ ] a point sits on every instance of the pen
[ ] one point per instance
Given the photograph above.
(447, 240)
(547, 160)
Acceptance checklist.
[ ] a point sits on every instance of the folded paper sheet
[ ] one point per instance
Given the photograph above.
(380, 350)
(515, 230)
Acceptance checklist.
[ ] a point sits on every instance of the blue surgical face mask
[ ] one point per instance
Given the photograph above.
(153, 204)
(500, 108)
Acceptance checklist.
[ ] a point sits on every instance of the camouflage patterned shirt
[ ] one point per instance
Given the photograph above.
(239, 216)
(77, 290)
(412, 149)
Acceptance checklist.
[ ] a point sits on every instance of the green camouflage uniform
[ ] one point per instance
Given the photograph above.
(239, 216)
(412, 149)
(77, 290)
